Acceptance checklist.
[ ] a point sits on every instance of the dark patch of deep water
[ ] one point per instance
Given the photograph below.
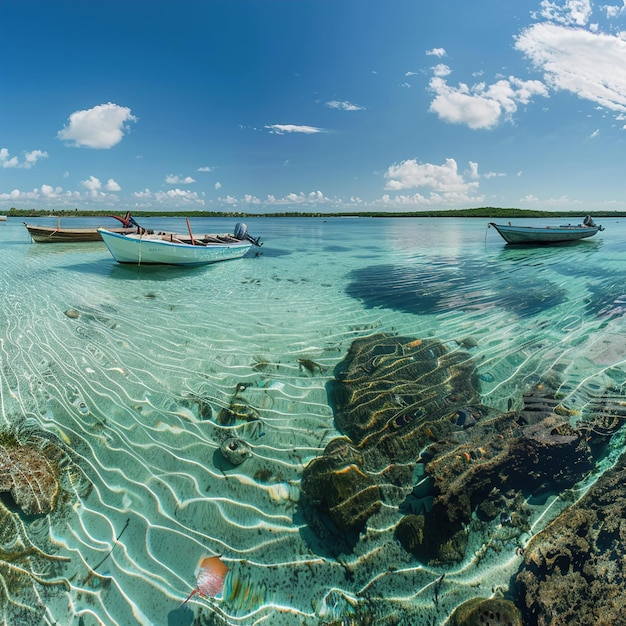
(455, 284)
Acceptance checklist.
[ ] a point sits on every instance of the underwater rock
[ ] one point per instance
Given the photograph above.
(468, 342)
(390, 383)
(574, 571)
(393, 396)
(427, 543)
(38, 478)
(235, 450)
(73, 314)
(237, 410)
(416, 437)
(486, 612)
(410, 534)
(30, 473)
(336, 486)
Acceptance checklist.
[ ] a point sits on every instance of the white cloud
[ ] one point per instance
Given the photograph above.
(92, 183)
(218, 185)
(178, 195)
(100, 127)
(313, 198)
(145, 194)
(570, 12)
(590, 65)
(280, 129)
(50, 192)
(441, 69)
(443, 181)
(30, 158)
(45, 193)
(344, 105)
(614, 11)
(482, 105)
(437, 52)
(553, 203)
(173, 179)
(97, 191)
(206, 168)
(493, 175)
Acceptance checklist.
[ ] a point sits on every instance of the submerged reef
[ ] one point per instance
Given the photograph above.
(574, 571)
(390, 394)
(37, 480)
(415, 437)
(34, 468)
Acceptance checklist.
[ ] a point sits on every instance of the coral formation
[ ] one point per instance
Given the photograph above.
(574, 571)
(29, 470)
(417, 437)
(37, 477)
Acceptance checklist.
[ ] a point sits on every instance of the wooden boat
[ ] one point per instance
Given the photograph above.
(547, 234)
(3, 218)
(51, 234)
(177, 249)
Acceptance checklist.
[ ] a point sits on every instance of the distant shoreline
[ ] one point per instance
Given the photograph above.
(483, 212)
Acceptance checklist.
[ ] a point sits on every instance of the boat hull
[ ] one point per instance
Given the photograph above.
(152, 249)
(543, 235)
(44, 234)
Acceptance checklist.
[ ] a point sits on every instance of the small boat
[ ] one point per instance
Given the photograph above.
(547, 234)
(146, 246)
(3, 218)
(50, 234)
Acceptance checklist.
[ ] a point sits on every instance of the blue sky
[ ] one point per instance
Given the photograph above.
(312, 105)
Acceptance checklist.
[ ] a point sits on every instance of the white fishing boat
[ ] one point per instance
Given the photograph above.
(164, 248)
(547, 234)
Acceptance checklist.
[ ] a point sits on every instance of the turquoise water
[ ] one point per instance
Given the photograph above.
(129, 368)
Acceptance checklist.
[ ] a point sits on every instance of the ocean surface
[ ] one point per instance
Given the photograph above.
(127, 370)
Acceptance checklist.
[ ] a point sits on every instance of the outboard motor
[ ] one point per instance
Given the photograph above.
(241, 231)
(591, 224)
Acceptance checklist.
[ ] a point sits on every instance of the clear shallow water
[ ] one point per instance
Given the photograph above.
(134, 385)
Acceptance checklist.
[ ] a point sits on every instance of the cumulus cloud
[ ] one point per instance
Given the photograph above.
(45, 193)
(173, 179)
(92, 183)
(442, 183)
(103, 126)
(482, 105)
(590, 65)
(205, 168)
(436, 52)
(30, 158)
(181, 196)
(98, 191)
(344, 105)
(313, 198)
(281, 129)
(441, 69)
(570, 12)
